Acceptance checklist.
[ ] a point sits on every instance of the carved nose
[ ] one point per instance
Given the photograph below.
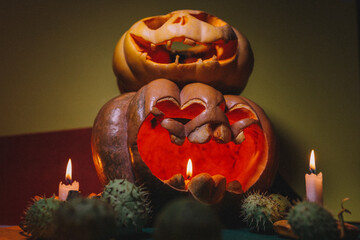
(181, 20)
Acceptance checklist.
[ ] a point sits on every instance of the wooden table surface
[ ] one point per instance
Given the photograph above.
(11, 233)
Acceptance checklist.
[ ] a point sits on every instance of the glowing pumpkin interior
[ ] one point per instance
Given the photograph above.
(163, 53)
(242, 162)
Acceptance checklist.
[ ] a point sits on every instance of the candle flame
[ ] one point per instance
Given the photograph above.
(68, 175)
(189, 169)
(312, 162)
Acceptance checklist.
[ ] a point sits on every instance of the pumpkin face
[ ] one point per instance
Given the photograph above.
(218, 55)
(148, 137)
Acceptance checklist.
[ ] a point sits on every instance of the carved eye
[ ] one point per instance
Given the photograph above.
(209, 19)
(181, 20)
(156, 22)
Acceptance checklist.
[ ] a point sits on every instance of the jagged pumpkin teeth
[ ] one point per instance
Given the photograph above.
(176, 181)
(201, 186)
(189, 41)
(168, 44)
(176, 130)
(208, 189)
(234, 186)
(153, 46)
(239, 138)
(177, 59)
(176, 140)
(201, 134)
(238, 126)
(222, 134)
(219, 50)
(219, 187)
(174, 127)
(162, 52)
(205, 36)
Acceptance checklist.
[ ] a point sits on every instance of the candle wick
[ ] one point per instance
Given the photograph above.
(313, 171)
(68, 180)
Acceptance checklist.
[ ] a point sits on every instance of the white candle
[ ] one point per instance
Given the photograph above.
(314, 183)
(65, 188)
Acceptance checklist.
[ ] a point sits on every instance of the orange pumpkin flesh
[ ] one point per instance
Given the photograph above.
(236, 162)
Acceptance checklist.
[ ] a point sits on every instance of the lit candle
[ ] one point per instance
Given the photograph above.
(69, 185)
(189, 171)
(314, 183)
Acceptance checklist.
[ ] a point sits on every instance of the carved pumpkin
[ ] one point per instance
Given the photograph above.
(148, 137)
(220, 56)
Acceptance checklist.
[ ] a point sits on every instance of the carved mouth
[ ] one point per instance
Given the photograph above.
(199, 52)
(166, 148)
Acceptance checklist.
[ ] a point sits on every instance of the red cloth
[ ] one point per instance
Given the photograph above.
(34, 164)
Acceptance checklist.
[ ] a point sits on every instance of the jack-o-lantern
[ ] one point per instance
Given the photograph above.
(219, 55)
(148, 137)
(174, 110)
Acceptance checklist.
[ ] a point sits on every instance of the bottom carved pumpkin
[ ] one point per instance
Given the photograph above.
(148, 137)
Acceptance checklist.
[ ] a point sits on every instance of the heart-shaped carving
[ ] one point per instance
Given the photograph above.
(195, 117)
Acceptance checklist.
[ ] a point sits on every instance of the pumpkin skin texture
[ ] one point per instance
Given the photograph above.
(109, 141)
(155, 131)
(220, 56)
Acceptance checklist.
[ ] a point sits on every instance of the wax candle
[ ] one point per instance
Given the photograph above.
(69, 184)
(314, 183)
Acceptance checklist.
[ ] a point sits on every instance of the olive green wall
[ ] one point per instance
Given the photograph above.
(56, 74)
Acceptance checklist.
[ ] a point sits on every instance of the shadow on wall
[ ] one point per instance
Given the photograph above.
(287, 149)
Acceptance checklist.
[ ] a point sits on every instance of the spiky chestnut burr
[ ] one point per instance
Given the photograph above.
(282, 202)
(84, 218)
(260, 211)
(39, 217)
(130, 203)
(310, 221)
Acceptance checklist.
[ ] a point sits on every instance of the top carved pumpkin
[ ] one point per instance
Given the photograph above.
(219, 55)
